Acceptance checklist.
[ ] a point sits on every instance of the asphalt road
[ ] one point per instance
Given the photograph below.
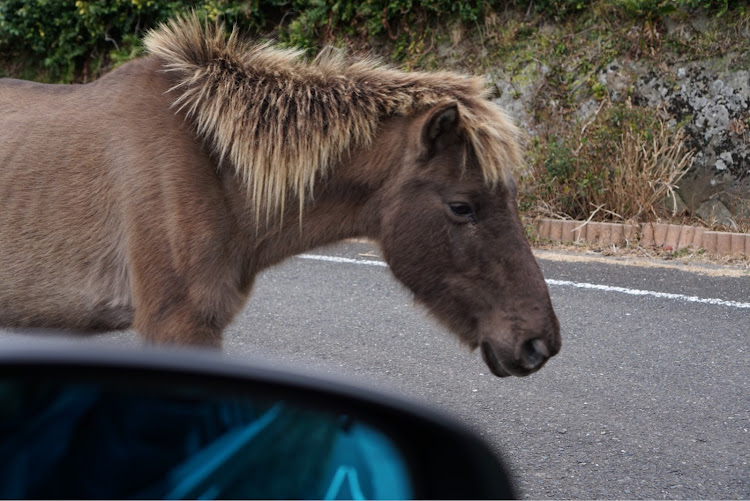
(649, 397)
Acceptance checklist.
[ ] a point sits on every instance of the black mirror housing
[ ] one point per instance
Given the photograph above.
(93, 422)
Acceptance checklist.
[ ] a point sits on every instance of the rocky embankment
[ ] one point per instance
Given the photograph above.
(709, 98)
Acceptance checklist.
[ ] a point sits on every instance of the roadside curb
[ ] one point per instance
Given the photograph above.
(666, 236)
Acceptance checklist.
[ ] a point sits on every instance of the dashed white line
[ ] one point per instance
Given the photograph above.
(563, 283)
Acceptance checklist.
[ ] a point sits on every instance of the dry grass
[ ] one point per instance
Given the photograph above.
(646, 170)
(621, 165)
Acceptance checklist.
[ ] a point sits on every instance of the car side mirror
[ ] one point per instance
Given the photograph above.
(78, 421)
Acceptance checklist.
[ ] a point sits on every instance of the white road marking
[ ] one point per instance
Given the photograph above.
(639, 292)
(563, 283)
(336, 259)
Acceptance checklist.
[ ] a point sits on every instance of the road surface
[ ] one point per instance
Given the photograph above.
(649, 397)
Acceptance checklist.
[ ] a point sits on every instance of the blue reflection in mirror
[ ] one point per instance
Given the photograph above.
(103, 441)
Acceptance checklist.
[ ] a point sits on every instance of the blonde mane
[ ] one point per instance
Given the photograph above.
(282, 122)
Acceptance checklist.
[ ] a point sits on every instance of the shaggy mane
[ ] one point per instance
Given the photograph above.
(282, 122)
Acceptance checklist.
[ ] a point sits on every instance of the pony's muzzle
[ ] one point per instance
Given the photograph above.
(530, 357)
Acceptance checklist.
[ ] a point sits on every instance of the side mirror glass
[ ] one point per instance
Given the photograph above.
(73, 438)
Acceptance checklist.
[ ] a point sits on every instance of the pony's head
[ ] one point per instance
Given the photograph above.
(452, 234)
(446, 214)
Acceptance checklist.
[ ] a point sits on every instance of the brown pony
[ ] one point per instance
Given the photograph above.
(153, 196)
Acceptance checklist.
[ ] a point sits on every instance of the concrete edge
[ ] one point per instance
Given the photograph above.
(664, 235)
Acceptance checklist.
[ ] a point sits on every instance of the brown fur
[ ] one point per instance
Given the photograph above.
(320, 110)
(152, 197)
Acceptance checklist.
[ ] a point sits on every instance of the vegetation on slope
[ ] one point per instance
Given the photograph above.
(616, 162)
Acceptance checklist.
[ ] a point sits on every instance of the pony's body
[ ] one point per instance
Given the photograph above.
(116, 172)
(152, 197)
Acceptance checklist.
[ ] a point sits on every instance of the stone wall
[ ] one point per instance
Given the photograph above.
(713, 103)
(709, 98)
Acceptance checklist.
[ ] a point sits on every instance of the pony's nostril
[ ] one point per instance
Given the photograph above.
(534, 353)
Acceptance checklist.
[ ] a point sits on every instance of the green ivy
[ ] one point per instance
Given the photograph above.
(63, 37)
(66, 40)
(650, 9)
(315, 18)
(557, 8)
(654, 9)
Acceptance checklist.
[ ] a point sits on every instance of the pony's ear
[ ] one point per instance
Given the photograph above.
(440, 129)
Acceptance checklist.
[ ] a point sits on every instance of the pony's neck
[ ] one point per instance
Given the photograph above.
(348, 204)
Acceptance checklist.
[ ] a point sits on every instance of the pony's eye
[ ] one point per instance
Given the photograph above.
(463, 210)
